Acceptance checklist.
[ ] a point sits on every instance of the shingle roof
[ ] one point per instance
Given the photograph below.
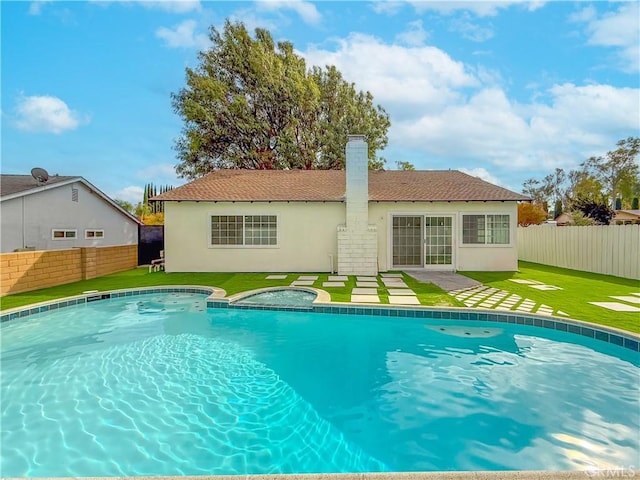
(329, 186)
(10, 184)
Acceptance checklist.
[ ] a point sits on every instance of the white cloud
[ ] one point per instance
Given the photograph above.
(46, 114)
(35, 8)
(174, 6)
(441, 108)
(480, 8)
(306, 10)
(619, 29)
(160, 173)
(481, 173)
(401, 78)
(471, 30)
(415, 35)
(183, 35)
(132, 194)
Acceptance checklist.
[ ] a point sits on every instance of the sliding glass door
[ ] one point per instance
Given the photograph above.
(422, 241)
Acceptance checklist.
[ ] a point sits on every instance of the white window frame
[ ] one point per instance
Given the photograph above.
(486, 244)
(65, 232)
(95, 236)
(244, 245)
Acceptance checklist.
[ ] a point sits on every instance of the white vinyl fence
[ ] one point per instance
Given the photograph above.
(610, 250)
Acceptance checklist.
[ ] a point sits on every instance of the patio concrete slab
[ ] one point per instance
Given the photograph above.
(401, 291)
(367, 284)
(365, 291)
(308, 277)
(616, 307)
(404, 300)
(333, 284)
(447, 281)
(276, 277)
(365, 299)
(627, 298)
(302, 283)
(338, 278)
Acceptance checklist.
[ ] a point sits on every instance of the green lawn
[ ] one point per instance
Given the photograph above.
(578, 288)
(231, 282)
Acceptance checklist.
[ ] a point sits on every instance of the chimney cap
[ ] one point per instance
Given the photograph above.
(356, 138)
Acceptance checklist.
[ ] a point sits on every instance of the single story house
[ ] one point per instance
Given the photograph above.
(60, 213)
(625, 217)
(354, 221)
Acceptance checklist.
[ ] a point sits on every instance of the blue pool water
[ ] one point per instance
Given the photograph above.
(158, 385)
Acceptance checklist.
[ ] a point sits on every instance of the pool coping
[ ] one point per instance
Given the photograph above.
(630, 472)
(322, 304)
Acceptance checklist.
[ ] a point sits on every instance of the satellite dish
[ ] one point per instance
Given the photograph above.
(40, 174)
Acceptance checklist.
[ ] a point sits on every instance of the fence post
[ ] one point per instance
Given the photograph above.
(88, 261)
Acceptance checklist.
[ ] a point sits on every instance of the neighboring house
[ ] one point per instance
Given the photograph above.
(625, 217)
(564, 219)
(355, 221)
(61, 213)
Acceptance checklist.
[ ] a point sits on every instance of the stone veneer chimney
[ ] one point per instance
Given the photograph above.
(357, 240)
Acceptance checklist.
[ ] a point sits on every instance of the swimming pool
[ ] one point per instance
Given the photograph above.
(158, 384)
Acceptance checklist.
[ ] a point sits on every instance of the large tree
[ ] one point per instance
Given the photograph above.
(618, 170)
(252, 103)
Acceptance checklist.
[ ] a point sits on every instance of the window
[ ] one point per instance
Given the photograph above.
(485, 229)
(244, 230)
(90, 234)
(64, 234)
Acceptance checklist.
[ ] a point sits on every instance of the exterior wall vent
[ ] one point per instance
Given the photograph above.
(74, 194)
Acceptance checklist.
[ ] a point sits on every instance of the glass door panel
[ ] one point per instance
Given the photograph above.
(438, 240)
(407, 241)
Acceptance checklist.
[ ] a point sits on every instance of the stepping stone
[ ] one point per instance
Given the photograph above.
(276, 277)
(338, 278)
(629, 299)
(365, 291)
(545, 287)
(523, 309)
(564, 314)
(636, 293)
(308, 277)
(365, 299)
(366, 279)
(367, 284)
(524, 282)
(302, 283)
(404, 300)
(401, 291)
(333, 284)
(394, 283)
(503, 308)
(392, 275)
(616, 307)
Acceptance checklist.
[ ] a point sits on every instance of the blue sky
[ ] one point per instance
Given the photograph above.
(504, 90)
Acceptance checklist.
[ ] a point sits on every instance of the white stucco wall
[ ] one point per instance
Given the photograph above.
(466, 257)
(307, 234)
(28, 221)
